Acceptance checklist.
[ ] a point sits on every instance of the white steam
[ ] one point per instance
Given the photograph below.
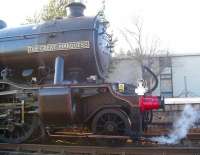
(181, 127)
(125, 71)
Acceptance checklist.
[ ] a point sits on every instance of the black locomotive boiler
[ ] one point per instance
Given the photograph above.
(53, 78)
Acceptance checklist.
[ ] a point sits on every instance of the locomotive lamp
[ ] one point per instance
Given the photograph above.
(141, 89)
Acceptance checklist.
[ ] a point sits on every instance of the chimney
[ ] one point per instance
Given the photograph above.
(76, 9)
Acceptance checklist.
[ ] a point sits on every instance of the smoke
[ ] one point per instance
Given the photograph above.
(124, 71)
(180, 127)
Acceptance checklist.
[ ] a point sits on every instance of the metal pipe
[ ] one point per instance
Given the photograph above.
(182, 100)
(22, 112)
(59, 70)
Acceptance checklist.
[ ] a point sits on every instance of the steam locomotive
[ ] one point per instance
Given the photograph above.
(53, 78)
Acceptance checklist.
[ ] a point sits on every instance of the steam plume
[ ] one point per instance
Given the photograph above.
(180, 127)
(124, 71)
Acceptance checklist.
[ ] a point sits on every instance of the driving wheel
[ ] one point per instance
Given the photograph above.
(112, 122)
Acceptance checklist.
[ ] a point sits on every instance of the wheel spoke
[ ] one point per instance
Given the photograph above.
(120, 123)
(19, 133)
(120, 130)
(114, 118)
(108, 117)
(102, 120)
(10, 137)
(23, 130)
(111, 122)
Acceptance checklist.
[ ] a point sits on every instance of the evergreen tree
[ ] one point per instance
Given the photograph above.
(54, 9)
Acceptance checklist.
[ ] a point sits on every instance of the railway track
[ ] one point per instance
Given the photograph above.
(189, 146)
(193, 135)
(36, 149)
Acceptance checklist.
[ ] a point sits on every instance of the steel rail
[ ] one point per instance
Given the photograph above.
(93, 150)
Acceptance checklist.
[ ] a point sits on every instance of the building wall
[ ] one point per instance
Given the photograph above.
(183, 71)
(186, 75)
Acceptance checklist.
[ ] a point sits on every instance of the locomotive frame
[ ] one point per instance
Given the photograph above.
(62, 65)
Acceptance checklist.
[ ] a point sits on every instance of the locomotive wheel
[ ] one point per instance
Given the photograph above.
(18, 133)
(111, 122)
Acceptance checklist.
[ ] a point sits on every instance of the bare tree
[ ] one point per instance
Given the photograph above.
(143, 49)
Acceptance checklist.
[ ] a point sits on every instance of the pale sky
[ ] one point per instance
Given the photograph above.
(175, 22)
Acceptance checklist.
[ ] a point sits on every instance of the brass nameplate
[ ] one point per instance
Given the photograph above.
(59, 46)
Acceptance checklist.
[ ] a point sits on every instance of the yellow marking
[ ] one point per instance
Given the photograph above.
(121, 87)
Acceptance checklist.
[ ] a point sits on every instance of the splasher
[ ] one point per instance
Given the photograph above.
(181, 127)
